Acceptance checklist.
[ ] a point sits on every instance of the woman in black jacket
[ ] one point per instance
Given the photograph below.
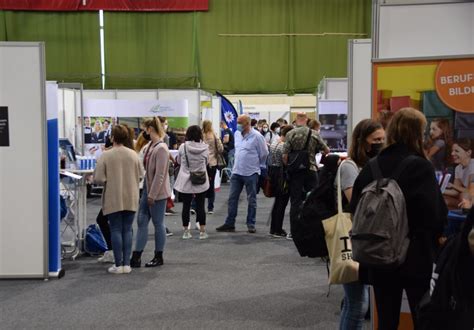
(426, 211)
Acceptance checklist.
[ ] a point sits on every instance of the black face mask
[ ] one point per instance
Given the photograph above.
(146, 136)
(374, 149)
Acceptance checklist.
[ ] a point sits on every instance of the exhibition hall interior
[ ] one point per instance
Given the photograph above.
(237, 164)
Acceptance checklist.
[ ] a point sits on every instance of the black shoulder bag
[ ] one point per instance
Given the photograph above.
(197, 177)
(298, 160)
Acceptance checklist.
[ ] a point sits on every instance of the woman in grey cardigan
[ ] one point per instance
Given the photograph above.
(193, 157)
(119, 171)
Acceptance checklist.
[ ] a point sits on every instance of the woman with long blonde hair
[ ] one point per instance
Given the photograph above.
(156, 190)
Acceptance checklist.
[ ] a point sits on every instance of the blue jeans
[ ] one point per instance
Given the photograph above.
(121, 231)
(237, 183)
(356, 304)
(157, 213)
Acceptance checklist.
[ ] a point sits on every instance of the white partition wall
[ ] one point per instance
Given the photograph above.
(23, 162)
(359, 73)
(421, 28)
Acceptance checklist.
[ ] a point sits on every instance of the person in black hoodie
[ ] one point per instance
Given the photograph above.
(426, 211)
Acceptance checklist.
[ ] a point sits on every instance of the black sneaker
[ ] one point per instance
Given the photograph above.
(226, 228)
(281, 234)
(251, 230)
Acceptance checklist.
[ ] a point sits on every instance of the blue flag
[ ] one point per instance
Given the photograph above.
(228, 112)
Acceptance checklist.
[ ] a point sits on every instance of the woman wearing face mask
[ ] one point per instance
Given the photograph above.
(268, 134)
(367, 140)
(463, 186)
(426, 214)
(156, 190)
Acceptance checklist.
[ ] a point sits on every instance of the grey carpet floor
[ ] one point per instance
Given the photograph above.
(230, 281)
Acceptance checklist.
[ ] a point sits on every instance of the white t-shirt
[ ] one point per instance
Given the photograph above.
(465, 174)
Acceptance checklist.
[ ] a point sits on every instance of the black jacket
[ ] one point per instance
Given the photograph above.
(426, 211)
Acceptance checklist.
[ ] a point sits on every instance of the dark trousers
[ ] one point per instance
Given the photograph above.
(211, 194)
(104, 228)
(300, 184)
(200, 211)
(388, 299)
(278, 213)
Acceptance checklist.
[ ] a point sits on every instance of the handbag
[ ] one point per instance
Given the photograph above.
(298, 160)
(342, 268)
(197, 177)
(221, 163)
(267, 187)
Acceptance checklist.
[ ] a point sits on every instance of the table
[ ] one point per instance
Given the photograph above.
(79, 203)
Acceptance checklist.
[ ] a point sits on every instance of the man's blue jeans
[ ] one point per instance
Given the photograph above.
(237, 183)
(356, 304)
(121, 232)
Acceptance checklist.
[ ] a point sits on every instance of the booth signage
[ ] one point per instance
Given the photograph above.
(4, 130)
(455, 84)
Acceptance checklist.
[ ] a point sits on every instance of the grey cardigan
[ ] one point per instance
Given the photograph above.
(198, 155)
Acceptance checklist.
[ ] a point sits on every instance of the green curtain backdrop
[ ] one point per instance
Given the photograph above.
(238, 46)
(71, 41)
(150, 50)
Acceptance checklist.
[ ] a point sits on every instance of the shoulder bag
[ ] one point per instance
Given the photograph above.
(221, 163)
(298, 160)
(197, 177)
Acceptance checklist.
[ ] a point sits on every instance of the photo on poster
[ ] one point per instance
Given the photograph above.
(334, 131)
(444, 91)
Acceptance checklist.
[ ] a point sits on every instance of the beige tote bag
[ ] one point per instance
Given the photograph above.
(342, 268)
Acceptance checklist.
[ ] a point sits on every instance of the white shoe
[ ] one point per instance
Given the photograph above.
(108, 257)
(203, 235)
(187, 234)
(127, 269)
(198, 226)
(115, 270)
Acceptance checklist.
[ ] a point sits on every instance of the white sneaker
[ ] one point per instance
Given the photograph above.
(108, 257)
(127, 269)
(203, 235)
(116, 270)
(187, 234)
(198, 226)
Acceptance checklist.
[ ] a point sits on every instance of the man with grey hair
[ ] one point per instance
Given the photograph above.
(250, 155)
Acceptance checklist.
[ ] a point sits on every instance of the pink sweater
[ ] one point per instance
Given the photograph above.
(157, 177)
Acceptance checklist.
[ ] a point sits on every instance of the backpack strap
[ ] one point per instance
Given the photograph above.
(402, 166)
(375, 168)
(307, 140)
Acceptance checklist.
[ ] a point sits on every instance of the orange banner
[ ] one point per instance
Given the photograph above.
(455, 84)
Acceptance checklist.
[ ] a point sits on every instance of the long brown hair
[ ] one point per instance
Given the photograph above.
(359, 145)
(141, 142)
(207, 127)
(447, 135)
(407, 127)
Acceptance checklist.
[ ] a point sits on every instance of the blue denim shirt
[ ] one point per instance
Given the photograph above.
(251, 153)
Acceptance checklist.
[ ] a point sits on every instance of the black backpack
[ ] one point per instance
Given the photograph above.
(449, 304)
(307, 231)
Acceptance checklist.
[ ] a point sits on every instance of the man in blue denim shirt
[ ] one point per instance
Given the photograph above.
(250, 155)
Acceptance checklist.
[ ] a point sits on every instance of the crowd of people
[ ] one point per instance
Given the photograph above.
(139, 178)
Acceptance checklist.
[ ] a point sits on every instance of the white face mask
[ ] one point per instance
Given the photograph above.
(265, 130)
(277, 130)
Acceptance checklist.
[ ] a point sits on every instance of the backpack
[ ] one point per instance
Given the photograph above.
(308, 231)
(298, 160)
(95, 242)
(380, 222)
(450, 301)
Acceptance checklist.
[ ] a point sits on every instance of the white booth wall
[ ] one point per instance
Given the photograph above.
(359, 73)
(24, 162)
(422, 28)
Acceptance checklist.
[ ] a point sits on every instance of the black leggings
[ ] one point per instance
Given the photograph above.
(200, 211)
(104, 228)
